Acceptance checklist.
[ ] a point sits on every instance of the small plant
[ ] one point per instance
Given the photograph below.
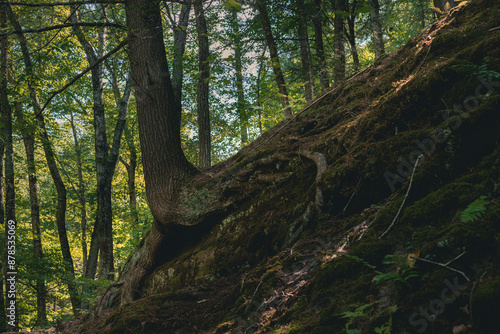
(404, 271)
(386, 328)
(352, 315)
(475, 210)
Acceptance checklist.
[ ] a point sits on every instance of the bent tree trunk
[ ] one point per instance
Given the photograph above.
(164, 163)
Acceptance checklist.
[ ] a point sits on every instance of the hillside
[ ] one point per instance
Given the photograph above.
(374, 210)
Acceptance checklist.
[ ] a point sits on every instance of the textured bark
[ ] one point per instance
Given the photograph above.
(339, 31)
(377, 35)
(54, 170)
(164, 163)
(10, 195)
(238, 66)
(81, 191)
(131, 166)
(351, 35)
(204, 132)
(320, 49)
(444, 6)
(27, 132)
(305, 53)
(273, 51)
(179, 29)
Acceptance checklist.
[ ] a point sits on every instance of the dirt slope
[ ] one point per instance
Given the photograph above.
(374, 210)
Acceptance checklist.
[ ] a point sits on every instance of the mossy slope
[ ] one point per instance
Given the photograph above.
(280, 259)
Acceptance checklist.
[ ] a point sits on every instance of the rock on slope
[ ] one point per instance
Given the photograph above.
(374, 210)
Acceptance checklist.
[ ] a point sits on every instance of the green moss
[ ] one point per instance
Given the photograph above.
(486, 306)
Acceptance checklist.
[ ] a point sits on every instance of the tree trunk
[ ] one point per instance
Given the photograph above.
(240, 104)
(444, 6)
(351, 36)
(165, 165)
(180, 34)
(339, 31)
(305, 53)
(10, 195)
(273, 51)
(320, 49)
(29, 145)
(102, 236)
(203, 92)
(54, 170)
(81, 191)
(377, 35)
(131, 166)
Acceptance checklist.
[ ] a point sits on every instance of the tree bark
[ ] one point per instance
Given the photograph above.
(204, 134)
(131, 166)
(320, 49)
(305, 53)
(377, 35)
(351, 35)
(339, 31)
(81, 191)
(273, 51)
(29, 146)
(165, 165)
(238, 66)
(179, 29)
(10, 195)
(51, 162)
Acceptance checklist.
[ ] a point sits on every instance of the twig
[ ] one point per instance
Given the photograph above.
(350, 199)
(404, 200)
(81, 74)
(445, 265)
(471, 294)
(493, 29)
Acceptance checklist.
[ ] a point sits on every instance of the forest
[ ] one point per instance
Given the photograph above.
(249, 166)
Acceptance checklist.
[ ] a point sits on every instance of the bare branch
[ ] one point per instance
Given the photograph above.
(61, 26)
(54, 4)
(72, 81)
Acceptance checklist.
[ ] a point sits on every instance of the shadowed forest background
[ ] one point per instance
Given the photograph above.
(334, 111)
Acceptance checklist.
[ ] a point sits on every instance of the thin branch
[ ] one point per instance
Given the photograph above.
(445, 265)
(72, 81)
(404, 200)
(54, 4)
(350, 199)
(61, 26)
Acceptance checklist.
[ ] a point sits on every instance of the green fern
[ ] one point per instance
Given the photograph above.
(475, 210)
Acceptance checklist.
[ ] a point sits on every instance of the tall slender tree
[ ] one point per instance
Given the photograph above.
(179, 28)
(340, 6)
(106, 157)
(10, 195)
(319, 45)
(305, 53)
(51, 162)
(27, 132)
(204, 132)
(377, 34)
(351, 33)
(238, 66)
(273, 51)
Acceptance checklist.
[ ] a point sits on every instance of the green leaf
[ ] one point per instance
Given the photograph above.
(343, 13)
(365, 9)
(230, 58)
(233, 4)
(475, 210)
